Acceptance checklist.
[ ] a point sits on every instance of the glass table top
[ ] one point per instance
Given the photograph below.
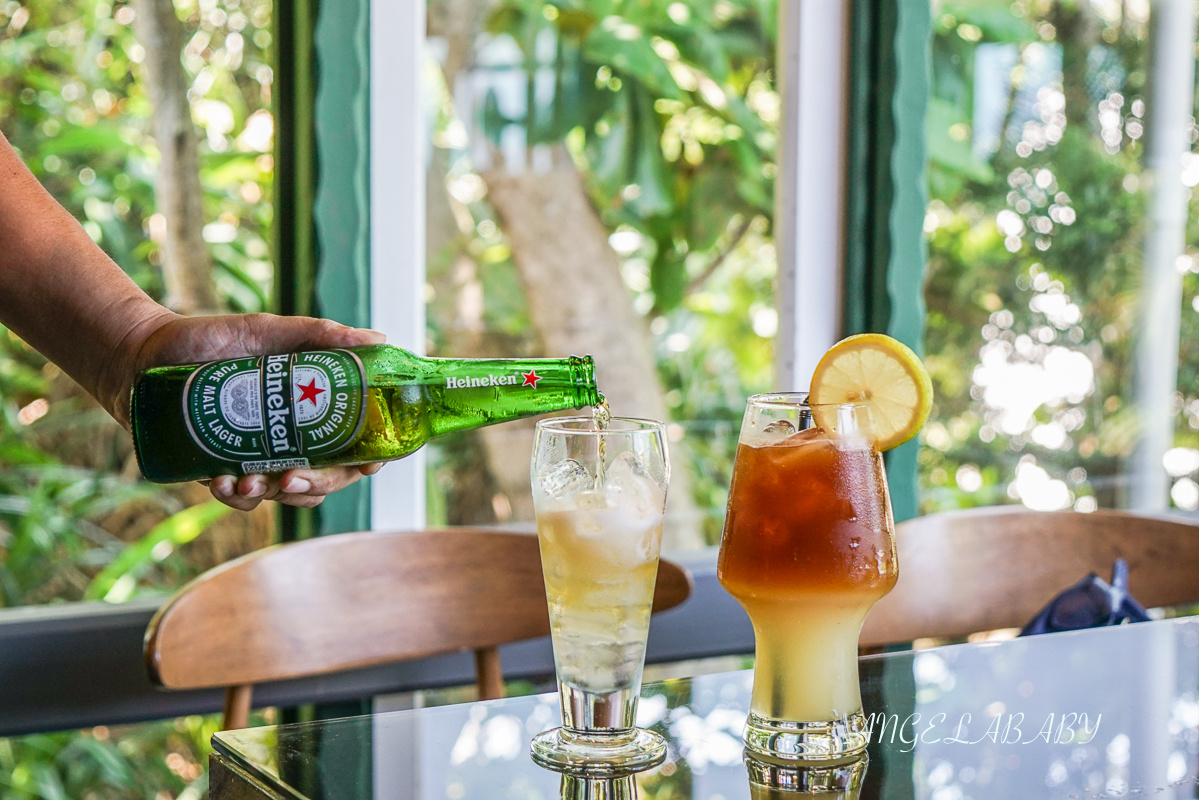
(1111, 712)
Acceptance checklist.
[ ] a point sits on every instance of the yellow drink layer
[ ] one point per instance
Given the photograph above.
(600, 565)
(807, 649)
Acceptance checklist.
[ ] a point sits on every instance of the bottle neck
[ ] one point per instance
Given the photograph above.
(573, 377)
(475, 392)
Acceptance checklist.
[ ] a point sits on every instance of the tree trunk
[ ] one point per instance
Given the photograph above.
(458, 22)
(1078, 28)
(577, 301)
(186, 266)
(579, 305)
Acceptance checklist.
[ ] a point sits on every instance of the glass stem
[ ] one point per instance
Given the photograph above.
(586, 712)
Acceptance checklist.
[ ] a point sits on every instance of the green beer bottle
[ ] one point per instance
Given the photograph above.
(313, 409)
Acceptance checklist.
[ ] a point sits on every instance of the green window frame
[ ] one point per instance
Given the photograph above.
(325, 172)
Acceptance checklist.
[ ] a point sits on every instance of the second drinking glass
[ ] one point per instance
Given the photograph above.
(808, 548)
(599, 496)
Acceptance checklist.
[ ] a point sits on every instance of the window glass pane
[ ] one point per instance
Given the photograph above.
(1043, 228)
(601, 182)
(75, 520)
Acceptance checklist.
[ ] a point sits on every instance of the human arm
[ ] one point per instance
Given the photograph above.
(64, 296)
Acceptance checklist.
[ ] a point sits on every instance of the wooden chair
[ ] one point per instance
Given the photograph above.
(989, 568)
(357, 600)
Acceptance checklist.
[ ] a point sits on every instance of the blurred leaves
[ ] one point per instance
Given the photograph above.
(147, 761)
(71, 103)
(952, 160)
(672, 101)
(116, 581)
(75, 522)
(1054, 219)
(668, 111)
(626, 49)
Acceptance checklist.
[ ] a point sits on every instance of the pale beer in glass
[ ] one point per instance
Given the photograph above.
(599, 495)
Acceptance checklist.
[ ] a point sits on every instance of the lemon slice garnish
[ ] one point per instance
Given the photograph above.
(881, 371)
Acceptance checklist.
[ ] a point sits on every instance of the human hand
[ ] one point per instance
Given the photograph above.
(193, 340)
(305, 488)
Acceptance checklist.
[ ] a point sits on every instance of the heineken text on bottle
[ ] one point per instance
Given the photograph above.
(273, 413)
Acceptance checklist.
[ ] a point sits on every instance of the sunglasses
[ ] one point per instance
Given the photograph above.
(1090, 603)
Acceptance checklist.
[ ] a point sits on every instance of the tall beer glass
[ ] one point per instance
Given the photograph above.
(808, 548)
(599, 495)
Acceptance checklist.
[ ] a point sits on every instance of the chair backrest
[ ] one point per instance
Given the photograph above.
(357, 600)
(988, 568)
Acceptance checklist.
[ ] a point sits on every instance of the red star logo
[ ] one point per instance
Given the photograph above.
(531, 377)
(309, 392)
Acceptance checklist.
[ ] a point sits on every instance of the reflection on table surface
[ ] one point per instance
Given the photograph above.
(1111, 712)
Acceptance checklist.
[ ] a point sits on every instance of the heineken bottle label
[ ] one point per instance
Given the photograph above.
(274, 413)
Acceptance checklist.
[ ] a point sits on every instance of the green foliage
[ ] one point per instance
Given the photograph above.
(50, 509)
(675, 115)
(118, 764)
(117, 580)
(952, 163)
(669, 112)
(1035, 254)
(72, 103)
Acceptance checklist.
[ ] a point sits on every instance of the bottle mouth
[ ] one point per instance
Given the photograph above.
(586, 366)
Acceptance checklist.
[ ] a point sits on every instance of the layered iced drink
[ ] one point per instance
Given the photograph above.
(808, 548)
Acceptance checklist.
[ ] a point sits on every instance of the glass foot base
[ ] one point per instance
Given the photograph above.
(807, 741)
(840, 778)
(598, 754)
